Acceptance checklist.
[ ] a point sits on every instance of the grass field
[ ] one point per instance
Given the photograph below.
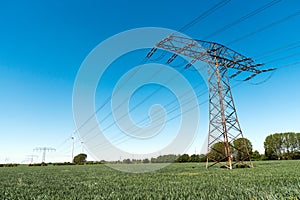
(268, 180)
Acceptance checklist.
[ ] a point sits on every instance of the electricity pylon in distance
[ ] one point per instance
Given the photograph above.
(31, 158)
(44, 150)
(224, 126)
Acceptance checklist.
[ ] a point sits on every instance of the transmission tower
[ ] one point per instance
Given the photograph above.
(31, 158)
(44, 150)
(73, 143)
(224, 127)
(82, 146)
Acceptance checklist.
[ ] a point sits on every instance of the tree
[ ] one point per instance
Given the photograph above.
(282, 146)
(242, 149)
(289, 145)
(298, 142)
(164, 159)
(127, 161)
(238, 150)
(256, 155)
(272, 146)
(202, 158)
(217, 152)
(80, 158)
(183, 158)
(194, 158)
(297, 153)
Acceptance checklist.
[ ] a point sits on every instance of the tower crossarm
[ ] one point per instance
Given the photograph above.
(212, 53)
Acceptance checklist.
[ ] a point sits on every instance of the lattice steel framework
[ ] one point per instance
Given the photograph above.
(44, 150)
(224, 127)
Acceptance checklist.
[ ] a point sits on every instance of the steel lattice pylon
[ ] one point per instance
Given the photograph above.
(44, 150)
(224, 127)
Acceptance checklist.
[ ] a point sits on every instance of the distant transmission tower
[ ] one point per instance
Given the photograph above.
(44, 150)
(31, 158)
(82, 146)
(224, 126)
(73, 143)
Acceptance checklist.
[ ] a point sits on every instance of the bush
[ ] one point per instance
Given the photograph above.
(241, 166)
(80, 158)
(63, 163)
(9, 165)
(38, 164)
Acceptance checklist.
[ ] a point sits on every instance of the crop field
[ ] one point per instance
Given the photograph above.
(268, 180)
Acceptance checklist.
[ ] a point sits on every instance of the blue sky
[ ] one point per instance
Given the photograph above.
(43, 44)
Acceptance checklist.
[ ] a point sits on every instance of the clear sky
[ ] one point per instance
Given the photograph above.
(43, 44)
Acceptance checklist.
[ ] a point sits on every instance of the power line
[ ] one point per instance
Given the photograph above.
(245, 17)
(286, 47)
(284, 57)
(275, 51)
(204, 15)
(140, 103)
(265, 27)
(124, 139)
(271, 52)
(132, 109)
(170, 103)
(171, 110)
(183, 28)
(107, 100)
(106, 117)
(290, 65)
(273, 72)
(174, 108)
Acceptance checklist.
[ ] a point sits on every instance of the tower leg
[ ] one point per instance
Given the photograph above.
(224, 127)
(44, 155)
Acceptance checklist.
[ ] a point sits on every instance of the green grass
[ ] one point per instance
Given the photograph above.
(268, 180)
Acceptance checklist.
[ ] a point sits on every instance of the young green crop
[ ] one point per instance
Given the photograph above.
(268, 180)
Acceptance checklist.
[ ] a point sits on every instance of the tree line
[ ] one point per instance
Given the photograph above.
(169, 158)
(278, 146)
(282, 146)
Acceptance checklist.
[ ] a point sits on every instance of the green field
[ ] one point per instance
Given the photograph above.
(268, 180)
